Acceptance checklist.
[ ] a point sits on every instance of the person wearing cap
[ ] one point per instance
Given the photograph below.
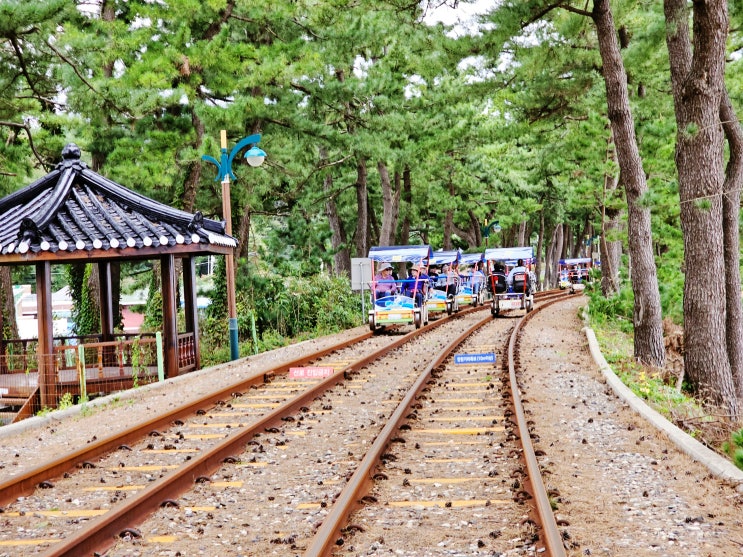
(384, 283)
(416, 285)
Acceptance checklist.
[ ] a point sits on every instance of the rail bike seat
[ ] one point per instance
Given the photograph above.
(522, 282)
(498, 284)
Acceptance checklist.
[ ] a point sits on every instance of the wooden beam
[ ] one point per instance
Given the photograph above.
(45, 349)
(170, 324)
(106, 300)
(190, 300)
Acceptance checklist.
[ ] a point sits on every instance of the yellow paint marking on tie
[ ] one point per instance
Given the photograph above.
(252, 464)
(460, 400)
(259, 397)
(297, 433)
(112, 488)
(227, 484)
(465, 418)
(204, 436)
(480, 407)
(199, 509)
(162, 539)
(469, 391)
(218, 424)
(452, 443)
(34, 541)
(446, 504)
(170, 451)
(446, 460)
(145, 468)
(460, 431)
(73, 513)
(304, 506)
(281, 390)
(256, 405)
(446, 480)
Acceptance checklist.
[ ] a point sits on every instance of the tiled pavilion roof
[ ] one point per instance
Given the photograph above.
(73, 213)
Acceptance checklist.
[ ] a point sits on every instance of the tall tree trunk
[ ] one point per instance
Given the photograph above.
(475, 231)
(190, 185)
(361, 238)
(730, 219)
(610, 250)
(449, 222)
(555, 251)
(522, 232)
(540, 247)
(243, 234)
(341, 255)
(697, 82)
(390, 204)
(648, 326)
(407, 203)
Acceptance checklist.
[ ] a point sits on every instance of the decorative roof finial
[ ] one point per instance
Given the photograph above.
(71, 151)
(71, 158)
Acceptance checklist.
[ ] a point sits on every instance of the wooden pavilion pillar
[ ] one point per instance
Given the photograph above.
(107, 312)
(191, 305)
(106, 300)
(170, 323)
(45, 348)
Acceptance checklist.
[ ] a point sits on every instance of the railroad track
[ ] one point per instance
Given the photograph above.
(206, 460)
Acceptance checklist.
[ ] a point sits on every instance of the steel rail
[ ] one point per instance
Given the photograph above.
(100, 534)
(551, 535)
(323, 541)
(25, 483)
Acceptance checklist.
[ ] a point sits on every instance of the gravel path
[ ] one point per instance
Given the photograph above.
(619, 486)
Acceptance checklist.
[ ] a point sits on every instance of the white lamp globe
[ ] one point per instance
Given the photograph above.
(255, 156)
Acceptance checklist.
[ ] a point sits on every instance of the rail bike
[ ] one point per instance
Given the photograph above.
(395, 300)
(574, 273)
(442, 297)
(512, 286)
(472, 289)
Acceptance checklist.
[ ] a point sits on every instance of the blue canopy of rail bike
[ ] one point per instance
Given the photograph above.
(442, 257)
(510, 255)
(576, 261)
(472, 259)
(398, 254)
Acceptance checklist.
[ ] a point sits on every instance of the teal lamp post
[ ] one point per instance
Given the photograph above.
(255, 157)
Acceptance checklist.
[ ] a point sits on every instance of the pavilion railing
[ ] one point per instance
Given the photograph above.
(81, 367)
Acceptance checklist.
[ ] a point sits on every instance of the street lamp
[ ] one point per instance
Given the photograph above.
(255, 157)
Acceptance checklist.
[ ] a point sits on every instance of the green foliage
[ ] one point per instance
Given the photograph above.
(153, 318)
(66, 401)
(617, 309)
(285, 308)
(85, 314)
(734, 448)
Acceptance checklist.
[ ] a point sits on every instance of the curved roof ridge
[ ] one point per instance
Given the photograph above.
(74, 213)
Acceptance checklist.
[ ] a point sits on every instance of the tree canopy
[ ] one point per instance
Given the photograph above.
(380, 127)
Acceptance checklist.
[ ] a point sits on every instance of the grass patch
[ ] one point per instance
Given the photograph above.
(658, 389)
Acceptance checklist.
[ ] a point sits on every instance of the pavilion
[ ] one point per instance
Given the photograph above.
(74, 215)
